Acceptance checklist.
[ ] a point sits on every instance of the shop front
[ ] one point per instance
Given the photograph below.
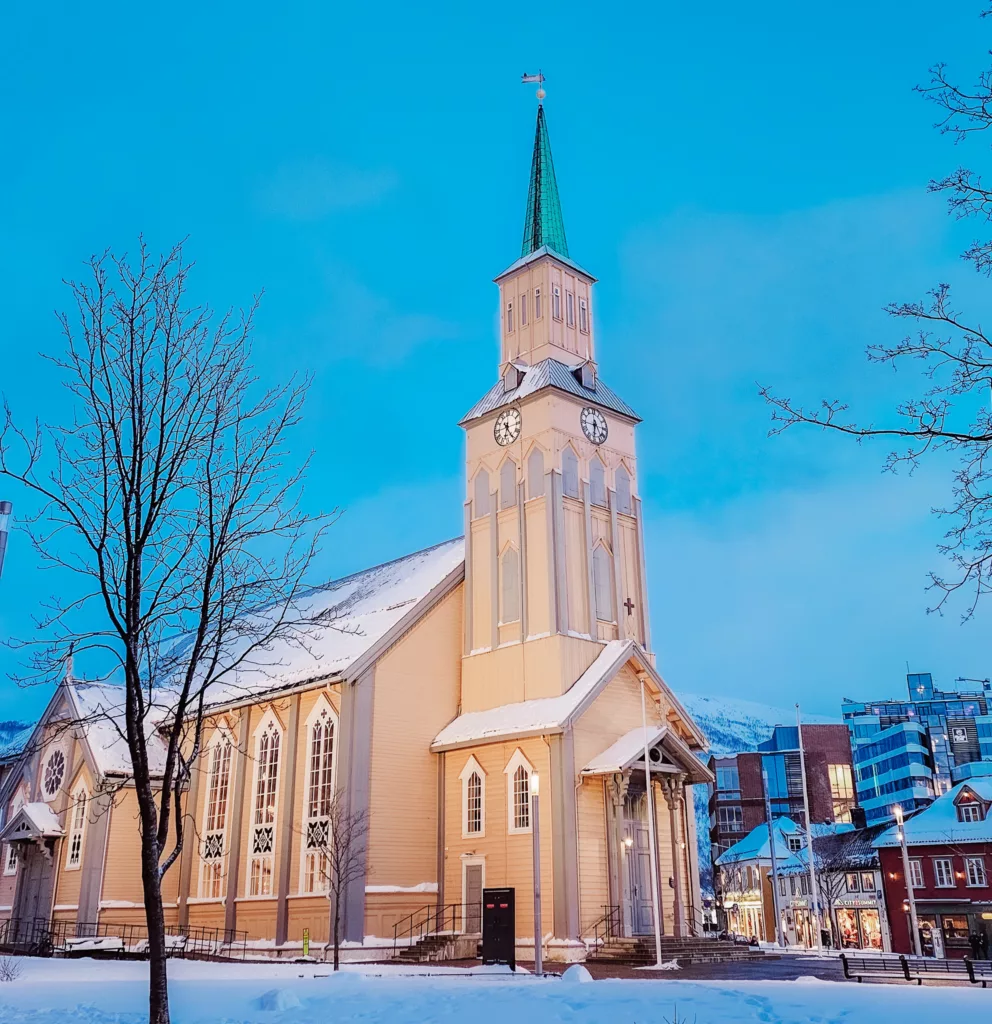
(956, 932)
(859, 928)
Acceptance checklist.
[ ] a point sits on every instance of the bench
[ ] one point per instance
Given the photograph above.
(920, 967)
(979, 971)
(874, 967)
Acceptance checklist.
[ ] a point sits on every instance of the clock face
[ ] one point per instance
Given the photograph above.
(507, 427)
(594, 425)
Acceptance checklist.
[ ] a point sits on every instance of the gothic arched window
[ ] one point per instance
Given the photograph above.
(481, 502)
(623, 491)
(215, 819)
(77, 826)
(318, 796)
(570, 473)
(473, 780)
(602, 575)
(597, 481)
(263, 822)
(535, 473)
(508, 484)
(510, 586)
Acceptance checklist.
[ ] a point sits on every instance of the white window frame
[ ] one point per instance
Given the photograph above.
(472, 767)
(537, 304)
(213, 868)
(969, 812)
(523, 309)
(939, 864)
(77, 828)
(556, 302)
(916, 879)
(975, 874)
(583, 316)
(509, 317)
(518, 760)
(257, 830)
(322, 711)
(11, 860)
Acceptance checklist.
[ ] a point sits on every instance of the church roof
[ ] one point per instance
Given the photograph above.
(537, 254)
(543, 224)
(549, 373)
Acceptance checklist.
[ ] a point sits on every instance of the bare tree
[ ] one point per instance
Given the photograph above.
(954, 412)
(335, 849)
(166, 498)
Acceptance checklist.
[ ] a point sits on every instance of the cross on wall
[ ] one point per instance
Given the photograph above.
(629, 605)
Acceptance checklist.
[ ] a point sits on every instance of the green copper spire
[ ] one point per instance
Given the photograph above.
(543, 224)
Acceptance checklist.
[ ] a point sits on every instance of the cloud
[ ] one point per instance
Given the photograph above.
(313, 189)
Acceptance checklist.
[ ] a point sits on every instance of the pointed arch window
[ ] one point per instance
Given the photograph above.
(602, 575)
(518, 771)
(624, 504)
(597, 481)
(263, 820)
(535, 473)
(215, 819)
(570, 473)
(319, 797)
(481, 499)
(509, 586)
(473, 780)
(10, 856)
(508, 484)
(77, 826)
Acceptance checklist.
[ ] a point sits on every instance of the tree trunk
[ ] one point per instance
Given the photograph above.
(337, 932)
(158, 985)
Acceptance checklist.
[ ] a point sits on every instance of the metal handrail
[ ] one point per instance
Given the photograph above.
(608, 926)
(426, 922)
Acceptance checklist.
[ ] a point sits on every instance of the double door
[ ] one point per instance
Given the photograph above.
(637, 908)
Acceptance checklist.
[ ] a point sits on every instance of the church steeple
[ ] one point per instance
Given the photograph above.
(543, 224)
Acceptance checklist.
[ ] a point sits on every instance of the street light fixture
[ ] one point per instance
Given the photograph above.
(5, 510)
(910, 896)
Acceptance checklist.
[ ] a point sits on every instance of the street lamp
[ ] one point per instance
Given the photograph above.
(910, 896)
(535, 826)
(5, 509)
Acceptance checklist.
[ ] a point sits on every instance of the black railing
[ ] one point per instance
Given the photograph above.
(39, 937)
(441, 923)
(607, 927)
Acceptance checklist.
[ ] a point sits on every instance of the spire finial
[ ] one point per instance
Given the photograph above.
(543, 224)
(539, 78)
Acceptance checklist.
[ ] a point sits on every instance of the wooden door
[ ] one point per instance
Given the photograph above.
(472, 899)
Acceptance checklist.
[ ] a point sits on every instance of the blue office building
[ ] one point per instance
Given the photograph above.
(906, 752)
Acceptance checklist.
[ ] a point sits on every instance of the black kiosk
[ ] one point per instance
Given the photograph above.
(499, 931)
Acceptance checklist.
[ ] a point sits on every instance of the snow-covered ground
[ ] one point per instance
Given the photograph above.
(92, 992)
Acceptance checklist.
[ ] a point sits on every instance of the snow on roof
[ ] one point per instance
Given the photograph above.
(627, 749)
(15, 743)
(938, 823)
(100, 707)
(360, 609)
(534, 717)
(755, 846)
(33, 821)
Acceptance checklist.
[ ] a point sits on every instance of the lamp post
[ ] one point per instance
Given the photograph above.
(653, 841)
(535, 827)
(5, 509)
(914, 923)
(779, 935)
(814, 895)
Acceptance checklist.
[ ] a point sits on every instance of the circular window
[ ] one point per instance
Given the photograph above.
(54, 773)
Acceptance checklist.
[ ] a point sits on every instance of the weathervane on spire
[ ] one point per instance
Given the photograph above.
(539, 78)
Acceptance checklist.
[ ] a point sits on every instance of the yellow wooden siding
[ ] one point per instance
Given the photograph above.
(594, 884)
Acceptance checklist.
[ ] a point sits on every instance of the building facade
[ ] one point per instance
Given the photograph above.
(950, 859)
(737, 797)
(906, 751)
(451, 681)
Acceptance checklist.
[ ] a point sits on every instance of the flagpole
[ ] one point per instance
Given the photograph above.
(652, 838)
(814, 897)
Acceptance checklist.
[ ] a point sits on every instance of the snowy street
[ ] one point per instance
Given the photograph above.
(101, 992)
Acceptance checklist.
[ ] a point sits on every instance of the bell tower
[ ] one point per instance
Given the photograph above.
(554, 564)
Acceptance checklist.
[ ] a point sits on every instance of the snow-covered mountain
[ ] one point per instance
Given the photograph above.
(732, 726)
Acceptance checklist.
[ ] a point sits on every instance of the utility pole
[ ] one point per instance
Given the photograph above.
(535, 827)
(914, 923)
(814, 895)
(779, 935)
(5, 510)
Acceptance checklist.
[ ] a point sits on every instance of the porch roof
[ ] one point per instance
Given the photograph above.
(32, 821)
(628, 752)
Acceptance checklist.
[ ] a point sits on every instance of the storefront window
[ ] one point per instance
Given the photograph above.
(955, 929)
(847, 922)
(871, 929)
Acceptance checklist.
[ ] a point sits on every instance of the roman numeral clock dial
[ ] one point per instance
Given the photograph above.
(507, 427)
(594, 425)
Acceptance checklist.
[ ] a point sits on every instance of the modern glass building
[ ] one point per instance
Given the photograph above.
(905, 751)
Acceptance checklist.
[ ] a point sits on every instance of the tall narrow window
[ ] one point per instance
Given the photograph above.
(942, 873)
(77, 825)
(570, 473)
(602, 574)
(510, 586)
(916, 873)
(556, 302)
(509, 316)
(215, 822)
(535, 473)
(508, 484)
(537, 303)
(481, 502)
(597, 482)
(570, 308)
(473, 780)
(517, 772)
(523, 310)
(10, 859)
(263, 828)
(318, 797)
(975, 867)
(583, 316)
(623, 491)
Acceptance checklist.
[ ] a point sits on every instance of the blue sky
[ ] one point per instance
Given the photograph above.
(748, 183)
